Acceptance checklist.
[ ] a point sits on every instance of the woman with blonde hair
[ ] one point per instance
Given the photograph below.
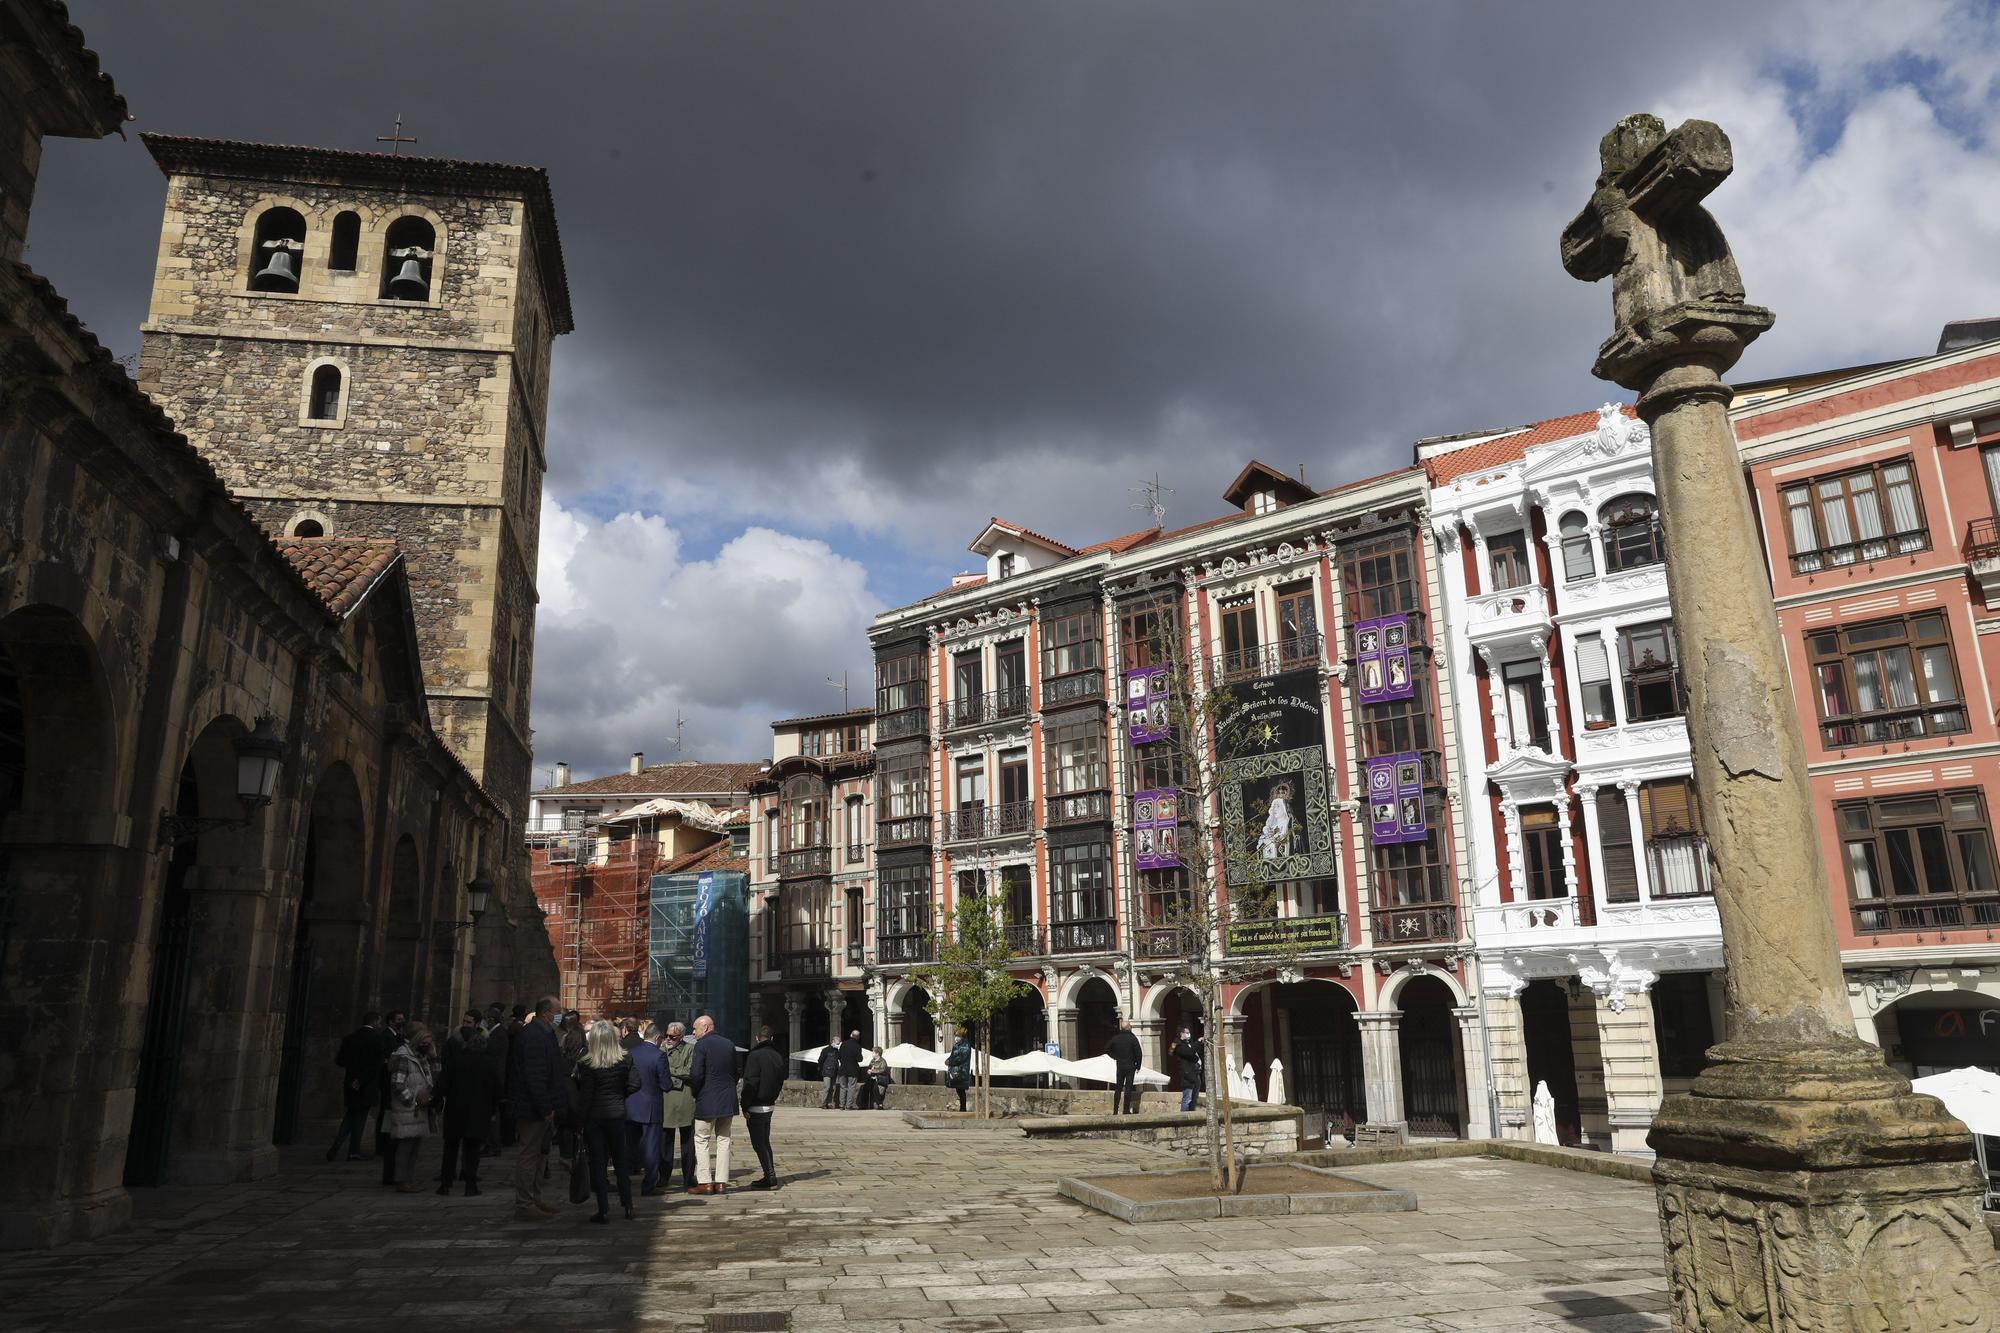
(412, 1089)
(606, 1077)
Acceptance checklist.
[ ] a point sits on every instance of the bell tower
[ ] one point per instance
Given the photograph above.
(359, 343)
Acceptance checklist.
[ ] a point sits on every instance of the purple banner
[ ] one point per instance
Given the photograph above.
(1382, 659)
(1156, 830)
(1146, 706)
(1396, 799)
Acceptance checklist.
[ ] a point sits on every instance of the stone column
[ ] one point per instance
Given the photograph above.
(1472, 1051)
(1382, 1069)
(1801, 1184)
(1631, 1055)
(795, 1018)
(1233, 1027)
(835, 1000)
(1069, 1033)
(1642, 873)
(1508, 1052)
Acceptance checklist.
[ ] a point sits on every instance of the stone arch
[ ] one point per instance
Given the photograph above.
(199, 1089)
(1434, 1091)
(248, 235)
(1096, 1003)
(1309, 1026)
(1402, 977)
(60, 782)
(410, 223)
(1940, 1026)
(920, 1026)
(323, 995)
(1066, 993)
(320, 374)
(403, 929)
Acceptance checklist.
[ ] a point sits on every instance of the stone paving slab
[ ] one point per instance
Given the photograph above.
(879, 1227)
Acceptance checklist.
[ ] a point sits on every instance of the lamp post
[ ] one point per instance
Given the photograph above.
(258, 758)
(478, 893)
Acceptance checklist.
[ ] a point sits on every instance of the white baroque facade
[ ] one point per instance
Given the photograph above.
(1597, 944)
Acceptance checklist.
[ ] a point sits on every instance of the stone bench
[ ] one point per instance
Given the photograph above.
(1257, 1129)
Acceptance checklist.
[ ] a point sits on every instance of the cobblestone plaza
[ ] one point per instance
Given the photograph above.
(880, 1226)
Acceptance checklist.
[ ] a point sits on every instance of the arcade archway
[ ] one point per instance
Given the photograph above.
(1433, 1082)
(1309, 1026)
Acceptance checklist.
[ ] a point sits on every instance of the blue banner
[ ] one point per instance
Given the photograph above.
(704, 898)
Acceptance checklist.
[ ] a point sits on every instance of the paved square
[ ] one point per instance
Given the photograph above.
(881, 1227)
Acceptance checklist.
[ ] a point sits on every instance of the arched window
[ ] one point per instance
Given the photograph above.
(1631, 526)
(308, 527)
(323, 400)
(277, 251)
(406, 260)
(1579, 561)
(346, 244)
(803, 801)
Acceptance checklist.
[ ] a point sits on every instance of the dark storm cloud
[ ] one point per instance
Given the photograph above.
(878, 268)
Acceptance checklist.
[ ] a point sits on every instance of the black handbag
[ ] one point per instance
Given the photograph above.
(579, 1178)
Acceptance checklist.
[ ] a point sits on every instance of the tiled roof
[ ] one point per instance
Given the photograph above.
(1028, 532)
(186, 155)
(340, 569)
(663, 779)
(857, 714)
(715, 856)
(110, 110)
(1120, 545)
(1502, 450)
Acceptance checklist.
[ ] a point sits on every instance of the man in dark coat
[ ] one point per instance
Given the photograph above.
(763, 1080)
(851, 1061)
(499, 1041)
(1126, 1055)
(712, 1075)
(1188, 1052)
(829, 1072)
(470, 1089)
(642, 1110)
(536, 1090)
(360, 1061)
(391, 1037)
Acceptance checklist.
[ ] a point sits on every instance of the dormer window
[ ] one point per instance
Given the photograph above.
(1264, 502)
(1006, 564)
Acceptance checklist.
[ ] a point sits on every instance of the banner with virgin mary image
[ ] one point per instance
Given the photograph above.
(1275, 818)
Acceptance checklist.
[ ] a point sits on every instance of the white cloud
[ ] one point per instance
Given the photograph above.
(632, 635)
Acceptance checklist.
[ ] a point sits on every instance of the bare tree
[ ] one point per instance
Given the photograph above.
(968, 981)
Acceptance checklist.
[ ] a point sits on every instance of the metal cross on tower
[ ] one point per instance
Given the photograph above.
(396, 138)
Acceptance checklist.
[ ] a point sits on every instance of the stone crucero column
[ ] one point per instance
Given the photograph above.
(1802, 1186)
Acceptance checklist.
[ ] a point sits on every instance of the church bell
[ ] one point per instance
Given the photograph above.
(278, 275)
(409, 283)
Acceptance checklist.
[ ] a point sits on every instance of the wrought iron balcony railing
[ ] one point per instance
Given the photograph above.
(984, 709)
(1073, 688)
(1082, 936)
(904, 832)
(1867, 549)
(806, 964)
(1160, 942)
(1940, 913)
(991, 821)
(1268, 659)
(1079, 807)
(1896, 724)
(1982, 539)
(1428, 923)
(801, 862)
(913, 721)
(894, 949)
(1024, 938)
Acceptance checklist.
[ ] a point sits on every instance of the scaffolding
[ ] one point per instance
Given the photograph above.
(699, 949)
(593, 892)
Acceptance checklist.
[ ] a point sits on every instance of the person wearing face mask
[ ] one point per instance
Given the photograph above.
(412, 1089)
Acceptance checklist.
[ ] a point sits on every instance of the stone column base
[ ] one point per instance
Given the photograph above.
(63, 1221)
(1810, 1190)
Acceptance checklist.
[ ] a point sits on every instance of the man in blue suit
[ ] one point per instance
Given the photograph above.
(642, 1108)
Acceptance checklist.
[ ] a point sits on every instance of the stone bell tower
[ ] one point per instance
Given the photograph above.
(359, 343)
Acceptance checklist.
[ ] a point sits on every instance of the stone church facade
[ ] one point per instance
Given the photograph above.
(178, 963)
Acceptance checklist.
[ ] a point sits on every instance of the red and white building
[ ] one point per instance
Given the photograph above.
(1006, 766)
(1876, 495)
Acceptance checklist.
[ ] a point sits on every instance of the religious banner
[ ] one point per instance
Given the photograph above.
(1271, 739)
(1146, 705)
(1396, 799)
(1382, 660)
(1277, 934)
(1156, 830)
(704, 902)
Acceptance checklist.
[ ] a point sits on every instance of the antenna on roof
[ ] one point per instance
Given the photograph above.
(1150, 493)
(680, 730)
(840, 685)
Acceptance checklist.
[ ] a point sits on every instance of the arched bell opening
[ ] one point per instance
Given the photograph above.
(407, 251)
(278, 251)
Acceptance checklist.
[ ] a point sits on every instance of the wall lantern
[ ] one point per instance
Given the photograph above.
(259, 756)
(478, 893)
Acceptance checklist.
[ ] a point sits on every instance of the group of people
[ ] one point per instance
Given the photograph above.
(608, 1096)
(855, 1081)
(1127, 1057)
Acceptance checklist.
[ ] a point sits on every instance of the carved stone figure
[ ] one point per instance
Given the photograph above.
(1545, 1115)
(1802, 1185)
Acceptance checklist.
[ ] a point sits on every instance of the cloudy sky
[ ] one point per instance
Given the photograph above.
(851, 277)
